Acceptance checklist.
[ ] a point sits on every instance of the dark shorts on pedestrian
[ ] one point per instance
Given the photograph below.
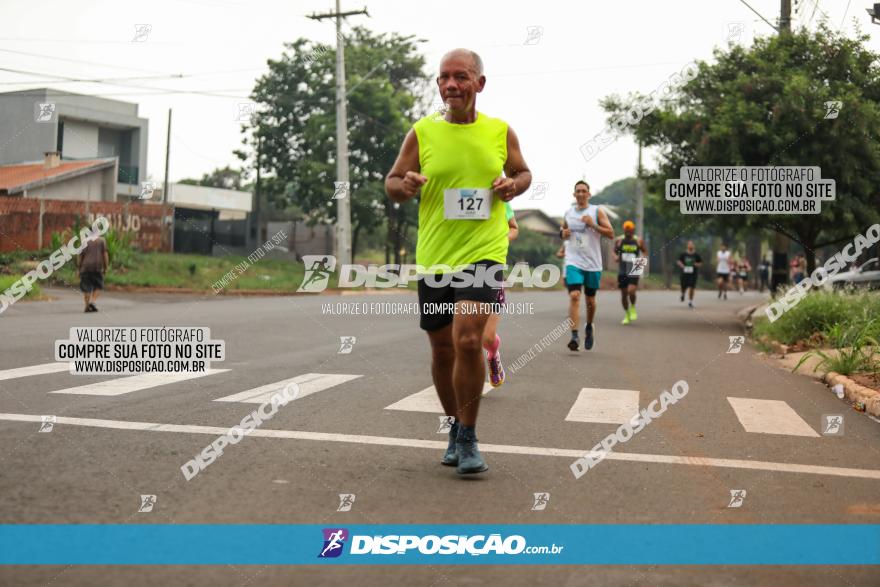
(688, 280)
(624, 281)
(89, 281)
(436, 302)
(723, 276)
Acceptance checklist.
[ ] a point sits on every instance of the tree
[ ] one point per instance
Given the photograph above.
(226, 178)
(765, 105)
(296, 119)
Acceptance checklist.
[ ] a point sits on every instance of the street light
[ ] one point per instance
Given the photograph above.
(875, 13)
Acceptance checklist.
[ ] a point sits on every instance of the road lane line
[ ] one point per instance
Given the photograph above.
(440, 445)
(426, 401)
(43, 369)
(605, 406)
(124, 385)
(308, 384)
(769, 416)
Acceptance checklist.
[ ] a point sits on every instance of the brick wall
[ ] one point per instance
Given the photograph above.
(28, 224)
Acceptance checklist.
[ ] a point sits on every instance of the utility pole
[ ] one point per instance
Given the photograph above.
(165, 187)
(779, 275)
(640, 204)
(342, 244)
(640, 198)
(785, 17)
(255, 208)
(167, 158)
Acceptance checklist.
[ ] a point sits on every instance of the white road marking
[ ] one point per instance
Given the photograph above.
(769, 416)
(607, 406)
(440, 445)
(426, 401)
(33, 370)
(308, 384)
(124, 385)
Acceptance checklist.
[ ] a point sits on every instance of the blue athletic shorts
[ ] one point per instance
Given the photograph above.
(575, 277)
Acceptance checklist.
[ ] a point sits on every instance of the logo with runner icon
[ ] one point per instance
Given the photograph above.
(346, 500)
(346, 344)
(334, 541)
(147, 503)
(47, 424)
(541, 501)
(832, 424)
(736, 344)
(832, 109)
(737, 497)
(638, 266)
(446, 423)
(341, 189)
(317, 275)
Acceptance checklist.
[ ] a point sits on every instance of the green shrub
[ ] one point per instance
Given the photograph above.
(119, 248)
(829, 314)
(854, 353)
(6, 281)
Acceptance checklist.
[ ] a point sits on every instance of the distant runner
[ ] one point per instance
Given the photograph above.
(584, 226)
(743, 268)
(626, 250)
(467, 165)
(491, 340)
(722, 270)
(689, 262)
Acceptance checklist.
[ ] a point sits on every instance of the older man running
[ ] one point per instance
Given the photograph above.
(466, 165)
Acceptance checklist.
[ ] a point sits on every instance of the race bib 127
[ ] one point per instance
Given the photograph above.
(467, 203)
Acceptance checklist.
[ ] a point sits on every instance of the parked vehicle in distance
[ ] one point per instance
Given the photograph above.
(866, 275)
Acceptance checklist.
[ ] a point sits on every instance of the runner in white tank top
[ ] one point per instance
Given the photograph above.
(584, 248)
(722, 270)
(583, 227)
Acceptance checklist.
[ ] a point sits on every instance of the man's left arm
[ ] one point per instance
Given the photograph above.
(642, 246)
(105, 255)
(517, 178)
(604, 227)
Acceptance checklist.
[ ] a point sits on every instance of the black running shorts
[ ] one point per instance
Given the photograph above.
(436, 302)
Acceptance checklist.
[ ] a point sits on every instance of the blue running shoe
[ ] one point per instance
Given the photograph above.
(588, 337)
(450, 458)
(469, 459)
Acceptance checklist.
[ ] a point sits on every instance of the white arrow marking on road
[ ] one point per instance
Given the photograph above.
(33, 370)
(425, 401)
(436, 445)
(606, 406)
(769, 416)
(308, 384)
(125, 385)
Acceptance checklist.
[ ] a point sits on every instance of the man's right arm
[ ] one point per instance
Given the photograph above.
(404, 180)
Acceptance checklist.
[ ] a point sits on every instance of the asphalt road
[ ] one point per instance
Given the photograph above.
(95, 464)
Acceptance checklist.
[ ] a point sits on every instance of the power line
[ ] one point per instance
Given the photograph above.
(70, 79)
(845, 12)
(775, 28)
(107, 65)
(89, 80)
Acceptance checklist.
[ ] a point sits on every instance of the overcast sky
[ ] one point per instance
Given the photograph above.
(547, 89)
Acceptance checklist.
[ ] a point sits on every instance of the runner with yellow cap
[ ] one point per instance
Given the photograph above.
(626, 251)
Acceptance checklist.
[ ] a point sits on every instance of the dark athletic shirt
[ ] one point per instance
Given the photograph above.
(690, 260)
(92, 257)
(626, 248)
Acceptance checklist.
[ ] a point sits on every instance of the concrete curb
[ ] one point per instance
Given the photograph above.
(858, 394)
(776, 346)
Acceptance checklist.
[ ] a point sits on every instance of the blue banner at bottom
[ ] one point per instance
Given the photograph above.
(422, 544)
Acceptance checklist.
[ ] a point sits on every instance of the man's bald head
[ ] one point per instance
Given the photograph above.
(476, 61)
